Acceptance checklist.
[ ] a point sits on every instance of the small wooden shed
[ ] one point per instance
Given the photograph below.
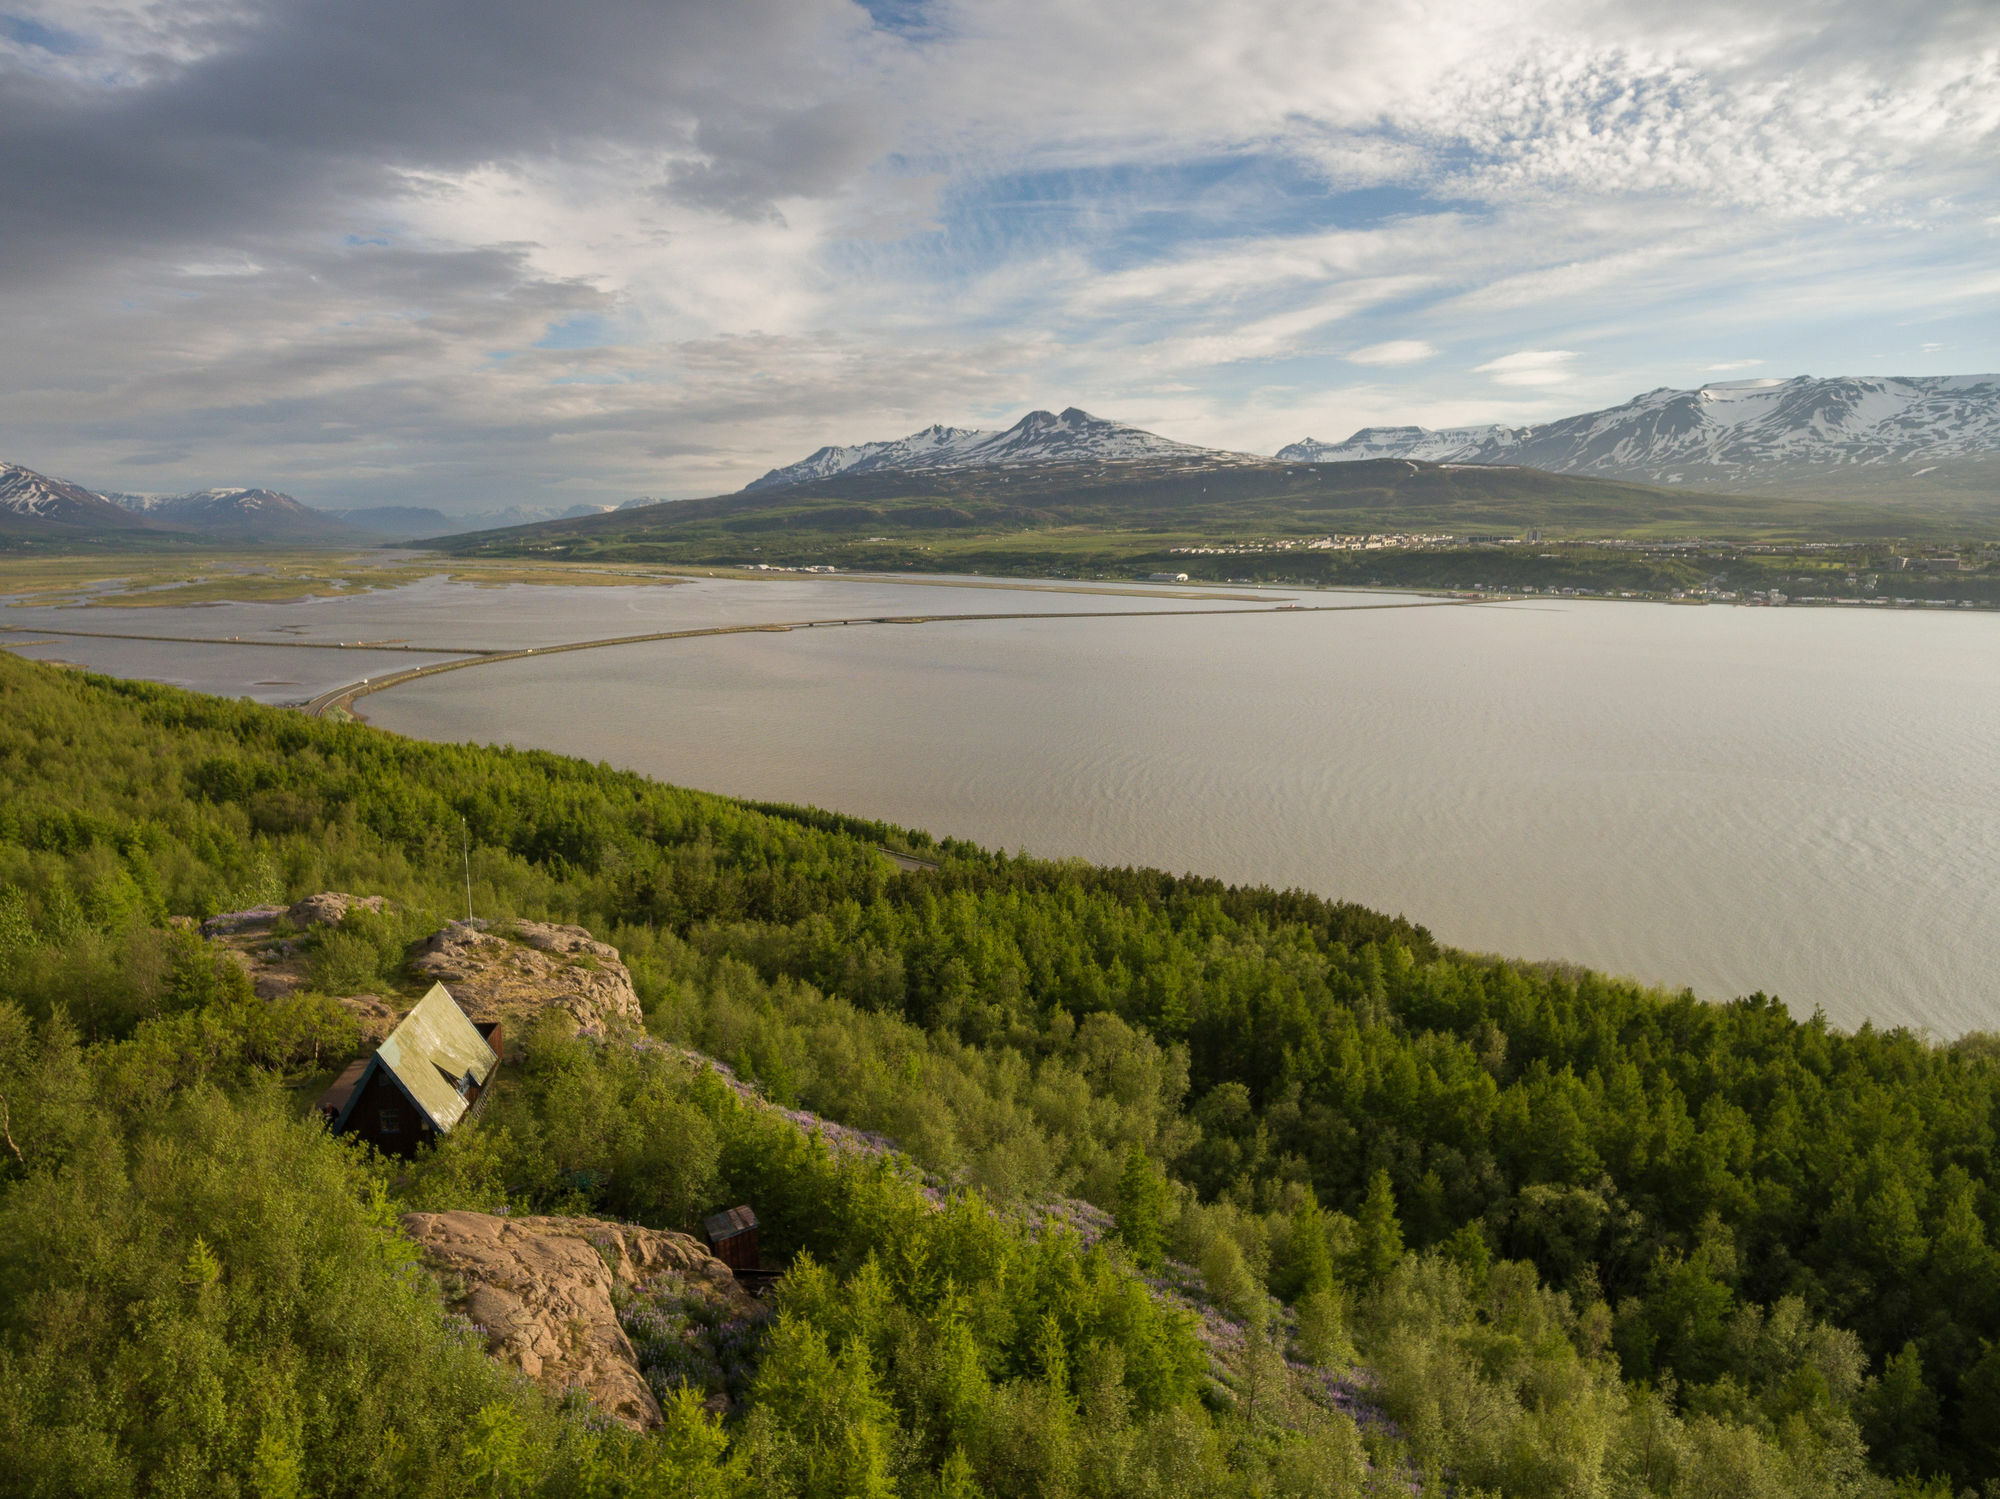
(733, 1237)
(426, 1078)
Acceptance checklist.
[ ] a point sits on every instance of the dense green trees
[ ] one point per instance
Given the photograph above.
(1574, 1226)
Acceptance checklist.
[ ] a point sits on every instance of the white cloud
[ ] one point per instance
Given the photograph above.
(1733, 364)
(1529, 367)
(776, 224)
(1395, 351)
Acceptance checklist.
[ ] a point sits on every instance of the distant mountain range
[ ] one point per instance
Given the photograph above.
(415, 522)
(1735, 436)
(248, 515)
(1849, 433)
(35, 507)
(33, 504)
(1932, 437)
(1072, 436)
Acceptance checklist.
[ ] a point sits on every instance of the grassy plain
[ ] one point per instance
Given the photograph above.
(140, 581)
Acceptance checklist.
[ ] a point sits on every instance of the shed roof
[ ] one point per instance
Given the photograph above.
(431, 1054)
(727, 1225)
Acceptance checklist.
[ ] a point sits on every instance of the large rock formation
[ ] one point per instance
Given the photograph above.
(330, 906)
(541, 1291)
(532, 968)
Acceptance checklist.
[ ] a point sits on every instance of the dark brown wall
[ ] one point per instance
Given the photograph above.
(739, 1251)
(380, 1096)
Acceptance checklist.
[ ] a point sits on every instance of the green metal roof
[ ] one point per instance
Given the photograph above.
(430, 1053)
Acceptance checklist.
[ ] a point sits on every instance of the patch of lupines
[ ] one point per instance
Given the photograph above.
(684, 1337)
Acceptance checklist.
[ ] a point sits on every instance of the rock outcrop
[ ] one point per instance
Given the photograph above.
(324, 909)
(540, 1289)
(330, 906)
(529, 968)
(239, 923)
(276, 964)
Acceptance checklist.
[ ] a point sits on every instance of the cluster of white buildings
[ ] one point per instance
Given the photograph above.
(1373, 543)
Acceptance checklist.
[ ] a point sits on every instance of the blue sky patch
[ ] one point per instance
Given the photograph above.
(28, 32)
(587, 332)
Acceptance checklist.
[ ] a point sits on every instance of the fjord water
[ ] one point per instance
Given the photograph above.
(1803, 801)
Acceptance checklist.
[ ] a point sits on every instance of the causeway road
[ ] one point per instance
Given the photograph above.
(344, 698)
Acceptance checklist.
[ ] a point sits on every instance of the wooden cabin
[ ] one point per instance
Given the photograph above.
(425, 1079)
(733, 1237)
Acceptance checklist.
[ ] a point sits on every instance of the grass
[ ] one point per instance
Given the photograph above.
(1085, 510)
(139, 582)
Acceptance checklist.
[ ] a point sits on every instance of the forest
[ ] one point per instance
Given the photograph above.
(1558, 1234)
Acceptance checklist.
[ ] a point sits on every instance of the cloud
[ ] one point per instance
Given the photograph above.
(1529, 367)
(324, 243)
(1395, 351)
(1733, 364)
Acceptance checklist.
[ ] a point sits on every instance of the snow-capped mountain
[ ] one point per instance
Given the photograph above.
(1073, 436)
(34, 506)
(1737, 434)
(1426, 444)
(32, 503)
(239, 514)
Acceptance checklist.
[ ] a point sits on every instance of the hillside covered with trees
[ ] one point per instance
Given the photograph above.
(1566, 1235)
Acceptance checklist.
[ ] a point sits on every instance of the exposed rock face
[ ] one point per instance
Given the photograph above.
(323, 909)
(277, 966)
(533, 968)
(231, 923)
(329, 906)
(541, 1290)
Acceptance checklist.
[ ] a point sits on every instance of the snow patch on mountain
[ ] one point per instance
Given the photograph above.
(1040, 437)
(1422, 443)
(1742, 432)
(29, 496)
(210, 503)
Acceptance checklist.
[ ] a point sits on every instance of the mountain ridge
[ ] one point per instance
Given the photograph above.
(242, 513)
(32, 502)
(1736, 434)
(1041, 437)
(36, 507)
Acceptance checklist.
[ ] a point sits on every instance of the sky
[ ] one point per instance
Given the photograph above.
(473, 254)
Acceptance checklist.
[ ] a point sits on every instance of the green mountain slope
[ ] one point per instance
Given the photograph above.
(1584, 1237)
(1053, 509)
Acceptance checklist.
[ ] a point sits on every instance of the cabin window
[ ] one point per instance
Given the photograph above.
(390, 1121)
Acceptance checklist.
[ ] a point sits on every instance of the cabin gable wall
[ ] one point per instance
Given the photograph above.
(384, 1116)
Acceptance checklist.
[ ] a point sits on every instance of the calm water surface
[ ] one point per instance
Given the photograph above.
(1802, 801)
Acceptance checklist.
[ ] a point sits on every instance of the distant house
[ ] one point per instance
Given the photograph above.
(426, 1078)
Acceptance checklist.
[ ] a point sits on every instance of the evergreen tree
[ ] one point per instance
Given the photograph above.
(1378, 1238)
(1899, 1416)
(1142, 1200)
